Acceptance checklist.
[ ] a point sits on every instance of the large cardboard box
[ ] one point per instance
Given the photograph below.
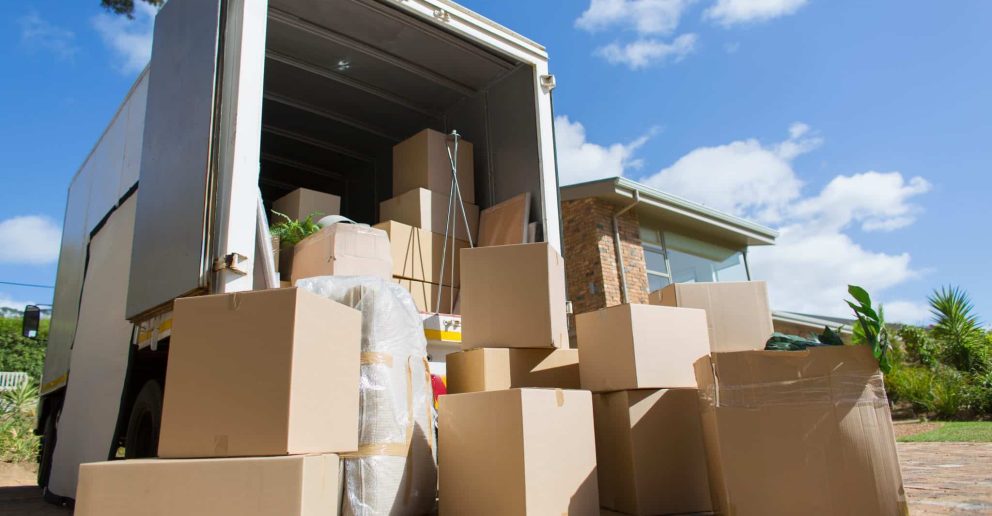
(513, 296)
(737, 312)
(425, 296)
(493, 369)
(518, 451)
(799, 432)
(302, 202)
(269, 372)
(300, 485)
(428, 210)
(421, 161)
(417, 254)
(343, 250)
(635, 346)
(649, 452)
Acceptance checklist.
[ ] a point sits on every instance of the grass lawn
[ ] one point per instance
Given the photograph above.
(957, 431)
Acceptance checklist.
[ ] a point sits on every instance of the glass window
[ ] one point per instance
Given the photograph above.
(657, 282)
(655, 260)
(650, 236)
(689, 260)
(732, 269)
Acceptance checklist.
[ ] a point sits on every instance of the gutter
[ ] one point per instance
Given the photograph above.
(616, 245)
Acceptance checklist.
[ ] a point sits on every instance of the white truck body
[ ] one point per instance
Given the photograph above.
(249, 96)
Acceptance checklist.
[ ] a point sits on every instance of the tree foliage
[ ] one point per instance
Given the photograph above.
(956, 326)
(18, 353)
(126, 7)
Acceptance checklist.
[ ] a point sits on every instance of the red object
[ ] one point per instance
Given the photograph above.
(438, 386)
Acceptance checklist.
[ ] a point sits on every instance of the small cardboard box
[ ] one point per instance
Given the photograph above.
(268, 372)
(513, 296)
(425, 296)
(417, 254)
(635, 346)
(343, 250)
(649, 452)
(302, 202)
(737, 312)
(428, 210)
(816, 421)
(421, 161)
(493, 369)
(301, 485)
(518, 451)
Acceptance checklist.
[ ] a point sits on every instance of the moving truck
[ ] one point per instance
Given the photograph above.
(243, 102)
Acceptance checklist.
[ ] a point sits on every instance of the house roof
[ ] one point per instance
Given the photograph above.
(818, 321)
(673, 212)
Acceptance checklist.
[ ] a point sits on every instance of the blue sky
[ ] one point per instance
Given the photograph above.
(862, 130)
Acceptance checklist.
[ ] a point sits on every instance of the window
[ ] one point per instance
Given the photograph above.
(673, 258)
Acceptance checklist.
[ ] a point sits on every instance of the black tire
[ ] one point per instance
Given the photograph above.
(47, 451)
(144, 423)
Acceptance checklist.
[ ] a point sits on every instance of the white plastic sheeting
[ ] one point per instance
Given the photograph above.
(394, 470)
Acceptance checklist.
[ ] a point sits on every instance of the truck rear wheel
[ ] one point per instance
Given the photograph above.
(144, 423)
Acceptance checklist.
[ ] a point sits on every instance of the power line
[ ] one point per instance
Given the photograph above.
(16, 284)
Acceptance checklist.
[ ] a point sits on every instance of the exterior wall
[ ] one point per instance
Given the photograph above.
(591, 267)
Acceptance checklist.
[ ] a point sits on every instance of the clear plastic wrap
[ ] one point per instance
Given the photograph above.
(394, 470)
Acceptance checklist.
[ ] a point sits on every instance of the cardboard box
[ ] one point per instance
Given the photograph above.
(268, 372)
(635, 346)
(649, 452)
(343, 250)
(302, 202)
(799, 432)
(513, 296)
(737, 312)
(519, 451)
(256, 486)
(417, 254)
(425, 296)
(493, 369)
(428, 210)
(421, 161)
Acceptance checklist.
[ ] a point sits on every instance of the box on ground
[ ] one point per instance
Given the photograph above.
(649, 452)
(303, 485)
(518, 451)
(425, 296)
(737, 312)
(634, 346)
(343, 250)
(493, 369)
(269, 372)
(421, 161)
(513, 296)
(428, 210)
(303, 202)
(417, 254)
(799, 432)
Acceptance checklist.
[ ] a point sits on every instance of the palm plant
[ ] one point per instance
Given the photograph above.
(958, 328)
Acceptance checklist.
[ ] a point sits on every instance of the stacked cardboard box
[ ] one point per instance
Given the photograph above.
(298, 205)
(417, 216)
(504, 449)
(261, 395)
(638, 360)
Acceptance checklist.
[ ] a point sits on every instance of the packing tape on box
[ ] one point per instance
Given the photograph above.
(851, 389)
(379, 450)
(372, 358)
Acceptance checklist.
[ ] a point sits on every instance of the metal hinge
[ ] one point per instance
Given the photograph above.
(442, 15)
(548, 82)
(233, 262)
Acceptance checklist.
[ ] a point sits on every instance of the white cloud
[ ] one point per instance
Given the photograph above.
(129, 39)
(878, 201)
(643, 16)
(36, 32)
(580, 160)
(907, 312)
(734, 12)
(13, 304)
(29, 239)
(647, 51)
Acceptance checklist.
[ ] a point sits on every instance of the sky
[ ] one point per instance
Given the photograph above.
(861, 131)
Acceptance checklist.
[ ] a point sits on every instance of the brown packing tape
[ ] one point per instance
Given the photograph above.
(370, 358)
(838, 388)
(559, 397)
(378, 450)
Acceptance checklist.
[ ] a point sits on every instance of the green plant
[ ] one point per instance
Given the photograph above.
(870, 329)
(17, 411)
(291, 231)
(920, 346)
(964, 344)
(18, 353)
(950, 393)
(913, 385)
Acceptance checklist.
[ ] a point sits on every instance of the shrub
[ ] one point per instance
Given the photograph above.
(913, 385)
(950, 393)
(18, 353)
(965, 345)
(919, 346)
(17, 412)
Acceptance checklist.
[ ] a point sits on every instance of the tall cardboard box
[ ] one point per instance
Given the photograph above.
(799, 432)
(428, 210)
(737, 312)
(302, 202)
(634, 346)
(493, 369)
(268, 372)
(300, 485)
(513, 296)
(649, 452)
(425, 296)
(417, 254)
(421, 161)
(343, 250)
(518, 451)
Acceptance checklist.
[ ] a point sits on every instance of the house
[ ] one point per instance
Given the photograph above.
(662, 239)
